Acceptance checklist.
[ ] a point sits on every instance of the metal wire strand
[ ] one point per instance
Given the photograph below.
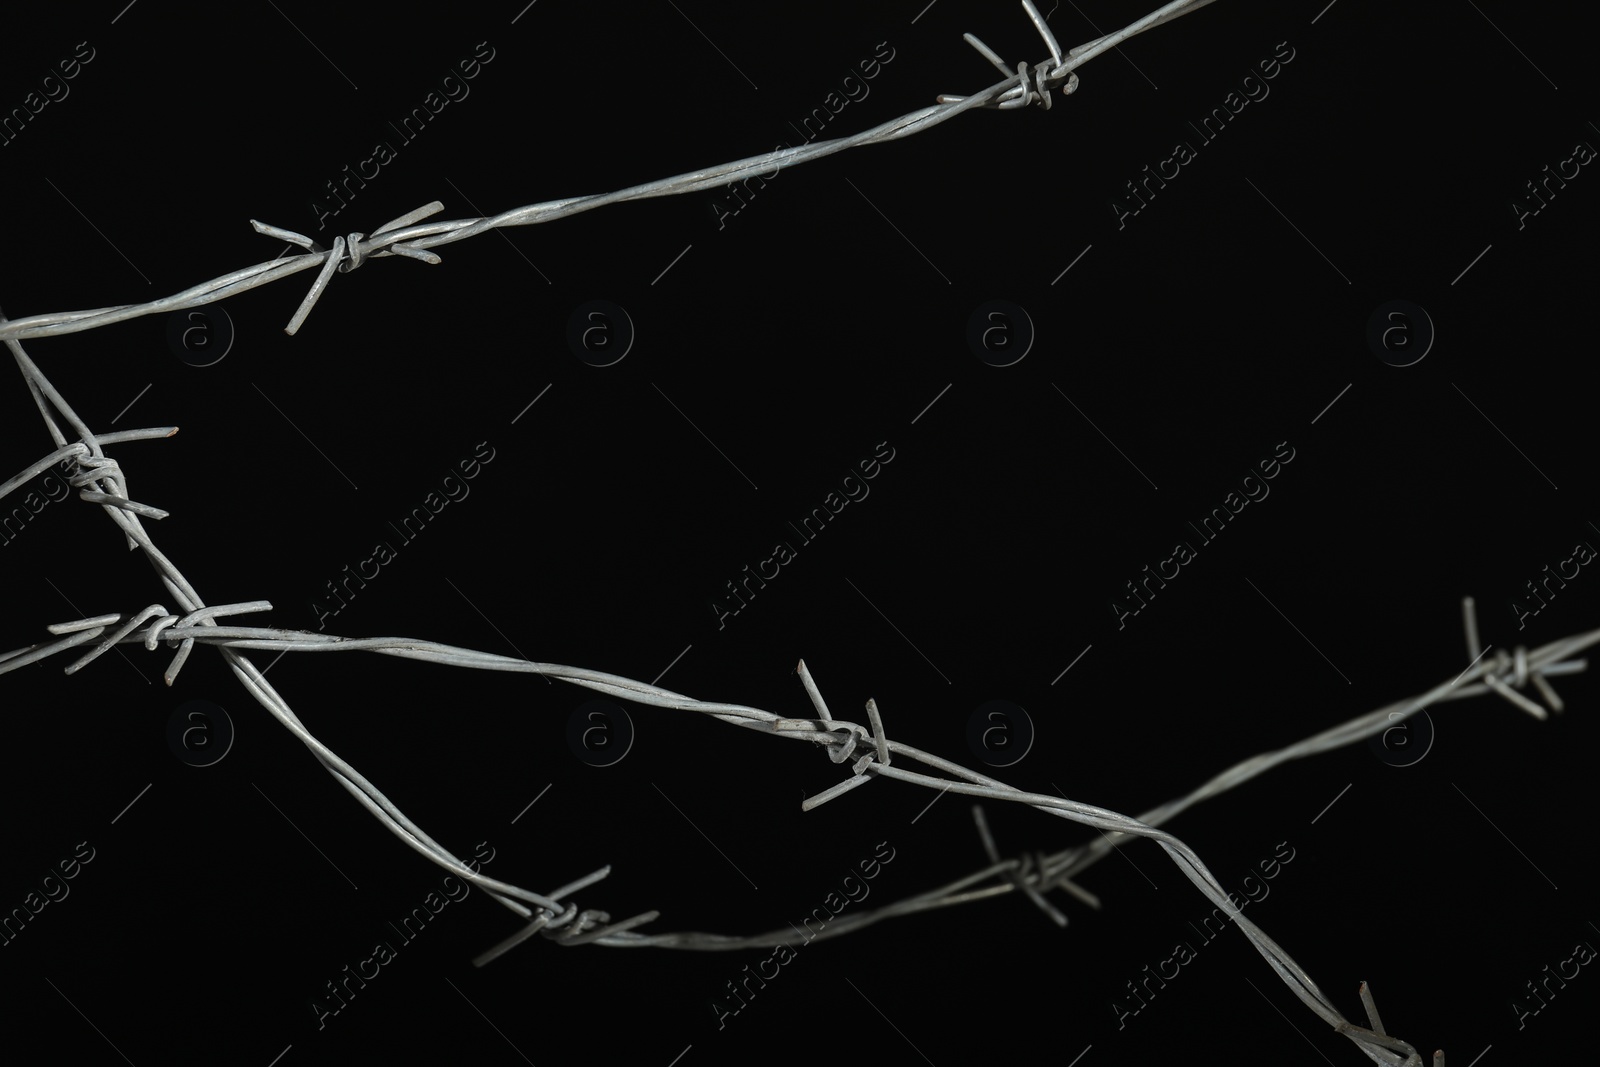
(1502, 674)
(1031, 878)
(405, 236)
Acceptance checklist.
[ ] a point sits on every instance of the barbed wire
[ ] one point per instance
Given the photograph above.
(101, 481)
(405, 236)
(1503, 674)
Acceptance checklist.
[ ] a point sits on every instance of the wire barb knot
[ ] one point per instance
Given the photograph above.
(1026, 874)
(91, 471)
(842, 748)
(350, 251)
(1507, 672)
(83, 630)
(1033, 83)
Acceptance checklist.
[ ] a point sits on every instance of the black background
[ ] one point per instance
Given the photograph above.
(773, 353)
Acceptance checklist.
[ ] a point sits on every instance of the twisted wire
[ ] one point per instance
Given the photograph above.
(1031, 875)
(406, 236)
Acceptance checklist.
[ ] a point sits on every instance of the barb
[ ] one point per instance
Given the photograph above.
(1016, 874)
(1032, 877)
(1503, 674)
(1019, 88)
